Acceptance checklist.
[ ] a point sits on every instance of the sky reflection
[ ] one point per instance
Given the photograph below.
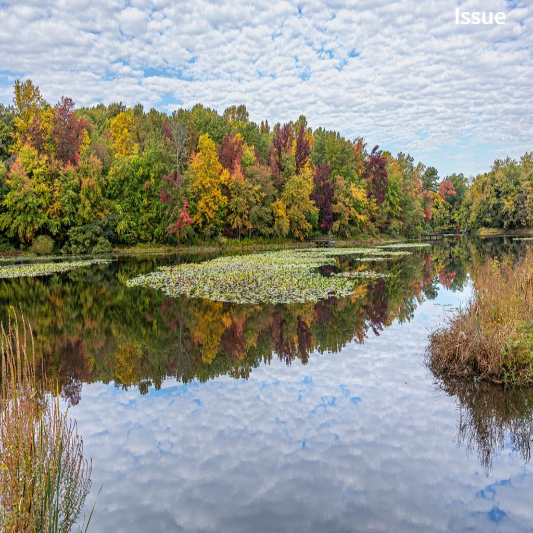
(359, 440)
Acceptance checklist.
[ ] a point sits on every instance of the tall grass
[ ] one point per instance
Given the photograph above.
(44, 478)
(492, 336)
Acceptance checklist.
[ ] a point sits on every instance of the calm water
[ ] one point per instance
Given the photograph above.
(208, 417)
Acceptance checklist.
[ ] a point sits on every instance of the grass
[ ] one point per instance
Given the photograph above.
(44, 478)
(491, 337)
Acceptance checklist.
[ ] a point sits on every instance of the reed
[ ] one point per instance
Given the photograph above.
(44, 478)
(491, 337)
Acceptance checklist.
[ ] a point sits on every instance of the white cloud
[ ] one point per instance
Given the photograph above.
(354, 441)
(401, 74)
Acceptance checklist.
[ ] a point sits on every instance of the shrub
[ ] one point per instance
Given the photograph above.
(83, 239)
(44, 478)
(42, 245)
(491, 337)
(5, 245)
(102, 246)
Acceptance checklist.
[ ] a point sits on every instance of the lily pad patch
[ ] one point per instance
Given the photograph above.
(288, 276)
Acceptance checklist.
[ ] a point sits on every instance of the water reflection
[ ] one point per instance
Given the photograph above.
(491, 417)
(91, 328)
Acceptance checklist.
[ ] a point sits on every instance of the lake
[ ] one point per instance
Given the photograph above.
(203, 416)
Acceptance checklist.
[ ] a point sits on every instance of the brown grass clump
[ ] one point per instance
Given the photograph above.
(492, 336)
(44, 478)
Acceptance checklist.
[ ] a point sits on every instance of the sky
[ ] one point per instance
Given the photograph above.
(401, 74)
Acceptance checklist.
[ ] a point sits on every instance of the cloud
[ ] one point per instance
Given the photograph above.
(358, 440)
(401, 74)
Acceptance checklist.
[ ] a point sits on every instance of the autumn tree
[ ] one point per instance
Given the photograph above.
(24, 205)
(296, 197)
(68, 132)
(207, 179)
(301, 150)
(282, 160)
(230, 152)
(323, 196)
(123, 133)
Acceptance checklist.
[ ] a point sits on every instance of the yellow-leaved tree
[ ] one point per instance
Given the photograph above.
(123, 131)
(207, 180)
(300, 207)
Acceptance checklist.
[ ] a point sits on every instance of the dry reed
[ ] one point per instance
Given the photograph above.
(491, 337)
(44, 478)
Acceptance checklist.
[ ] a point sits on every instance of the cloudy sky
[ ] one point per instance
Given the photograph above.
(401, 74)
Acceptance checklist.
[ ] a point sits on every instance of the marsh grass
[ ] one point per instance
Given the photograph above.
(44, 478)
(492, 336)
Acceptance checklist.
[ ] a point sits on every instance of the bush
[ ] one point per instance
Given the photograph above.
(5, 245)
(491, 337)
(42, 245)
(102, 246)
(83, 239)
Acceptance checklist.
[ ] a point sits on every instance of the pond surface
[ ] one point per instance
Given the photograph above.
(201, 416)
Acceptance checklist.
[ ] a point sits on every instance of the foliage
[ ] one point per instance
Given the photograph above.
(42, 245)
(64, 168)
(82, 240)
(323, 196)
(297, 198)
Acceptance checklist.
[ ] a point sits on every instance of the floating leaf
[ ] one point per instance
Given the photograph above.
(289, 276)
(45, 269)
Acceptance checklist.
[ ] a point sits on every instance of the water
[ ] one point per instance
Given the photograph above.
(204, 417)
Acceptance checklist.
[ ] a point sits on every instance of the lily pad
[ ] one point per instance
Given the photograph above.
(288, 276)
(44, 269)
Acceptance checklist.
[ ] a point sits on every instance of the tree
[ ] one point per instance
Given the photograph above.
(180, 135)
(323, 196)
(207, 179)
(301, 150)
(230, 152)
(68, 132)
(124, 134)
(27, 101)
(24, 207)
(281, 148)
(236, 114)
(296, 197)
(430, 179)
(375, 174)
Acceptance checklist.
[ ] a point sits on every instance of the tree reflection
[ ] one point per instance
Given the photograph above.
(491, 417)
(90, 327)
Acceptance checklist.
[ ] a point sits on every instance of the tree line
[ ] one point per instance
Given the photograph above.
(91, 178)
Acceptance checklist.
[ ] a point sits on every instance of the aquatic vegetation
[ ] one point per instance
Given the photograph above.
(287, 276)
(492, 336)
(406, 245)
(369, 274)
(44, 478)
(45, 269)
